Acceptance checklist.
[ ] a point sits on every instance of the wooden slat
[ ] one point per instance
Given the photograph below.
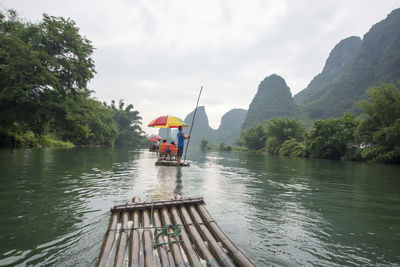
(108, 241)
(187, 244)
(162, 250)
(134, 244)
(175, 247)
(157, 204)
(238, 256)
(113, 251)
(147, 240)
(196, 238)
(221, 256)
(123, 241)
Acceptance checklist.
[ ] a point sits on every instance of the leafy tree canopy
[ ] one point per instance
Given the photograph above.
(379, 132)
(331, 138)
(38, 64)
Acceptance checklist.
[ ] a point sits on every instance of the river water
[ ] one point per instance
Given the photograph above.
(54, 204)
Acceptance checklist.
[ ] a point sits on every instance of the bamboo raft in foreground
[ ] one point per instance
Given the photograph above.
(135, 236)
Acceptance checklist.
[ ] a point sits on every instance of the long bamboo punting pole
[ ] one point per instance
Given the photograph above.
(221, 256)
(175, 247)
(196, 238)
(162, 250)
(187, 245)
(108, 240)
(191, 126)
(147, 240)
(238, 256)
(123, 241)
(134, 244)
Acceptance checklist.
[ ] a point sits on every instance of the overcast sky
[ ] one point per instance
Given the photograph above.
(157, 54)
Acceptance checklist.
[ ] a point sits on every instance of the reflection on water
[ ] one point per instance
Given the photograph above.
(54, 204)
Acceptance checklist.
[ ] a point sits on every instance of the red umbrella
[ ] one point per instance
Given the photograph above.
(154, 138)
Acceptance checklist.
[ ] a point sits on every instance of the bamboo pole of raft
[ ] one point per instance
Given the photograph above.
(221, 256)
(196, 238)
(147, 240)
(108, 240)
(162, 251)
(187, 246)
(238, 256)
(157, 204)
(174, 247)
(134, 243)
(123, 241)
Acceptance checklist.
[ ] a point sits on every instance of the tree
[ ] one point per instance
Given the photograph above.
(85, 121)
(203, 144)
(292, 147)
(278, 130)
(254, 138)
(379, 132)
(128, 122)
(332, 138)
(42, 66)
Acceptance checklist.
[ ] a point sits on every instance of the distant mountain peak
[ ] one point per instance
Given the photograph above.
(273, 99)
(342, 54)
(352, 67)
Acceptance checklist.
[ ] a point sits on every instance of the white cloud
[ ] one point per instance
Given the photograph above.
(157, 54)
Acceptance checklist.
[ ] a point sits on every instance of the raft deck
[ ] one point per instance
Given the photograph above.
(171, 163)
(177, 232)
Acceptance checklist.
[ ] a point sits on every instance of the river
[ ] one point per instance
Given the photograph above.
(54, 204)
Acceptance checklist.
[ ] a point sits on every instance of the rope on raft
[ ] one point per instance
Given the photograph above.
(176, 232)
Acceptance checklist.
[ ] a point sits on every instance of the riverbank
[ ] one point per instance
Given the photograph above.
(30, 140)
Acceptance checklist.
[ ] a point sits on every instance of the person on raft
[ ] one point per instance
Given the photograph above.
(181, 143)
(163, 146)
(173, 148)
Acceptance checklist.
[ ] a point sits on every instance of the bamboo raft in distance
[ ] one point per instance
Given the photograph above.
(171, 163)
(131, 239)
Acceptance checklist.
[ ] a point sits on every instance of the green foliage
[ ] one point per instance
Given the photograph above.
(379, 132)
(9, 138)
(44, 71)
(278, 130)
(273, 145)
(331, 138)
(254, 138)
(51, 141)
(128, 122)
(40, 63)
(293, 148)
(203, 144)
(222, 147)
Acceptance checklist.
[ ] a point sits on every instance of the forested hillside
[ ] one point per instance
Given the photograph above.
(375, 61)
(339, 58)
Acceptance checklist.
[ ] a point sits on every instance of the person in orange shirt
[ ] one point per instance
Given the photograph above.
(174, 149)
(163, 146)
